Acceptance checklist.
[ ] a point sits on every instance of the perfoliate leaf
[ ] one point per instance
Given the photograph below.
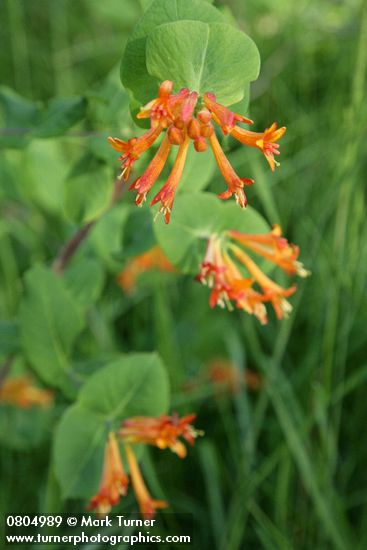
(204, 57)
(196, 217)
(134, 74)
(132, 385)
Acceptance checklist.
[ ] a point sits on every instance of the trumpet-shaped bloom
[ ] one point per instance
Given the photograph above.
(166, 195)
(185, 117)
(147, 505)
(132, 150)
(265, 141)
(223, 116)
(234, 183)
(162, 432)
(22, 393)
(114, 481)
(152, 259)
(233, 275)
(144, 183)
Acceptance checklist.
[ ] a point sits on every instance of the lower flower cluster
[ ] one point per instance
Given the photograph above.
(162, 432)
(231, 272)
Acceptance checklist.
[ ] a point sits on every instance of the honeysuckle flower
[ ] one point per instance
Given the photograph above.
(185, 117)
(265, 141)
(162, 111)
(166, 195)
(21, 392)
(132, 150)
(114, 481)
(274, 247)
(223, 372)
(152, 259)
(147, 505)
(220, 271)
(144, 183)
(162, 432)
(223, 116)
(224, 376)
(235, 183)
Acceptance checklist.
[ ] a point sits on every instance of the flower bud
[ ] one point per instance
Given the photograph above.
(206, 130)
(200, 145)
(204, 116)
(179, 123)
(193, 129)
(175, 135)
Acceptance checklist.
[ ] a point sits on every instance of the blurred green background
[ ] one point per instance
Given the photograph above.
(285, 466)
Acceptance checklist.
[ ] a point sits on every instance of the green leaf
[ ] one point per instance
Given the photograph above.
(133, 385)
(199, 169)
(9, 338)
(61, 114)
(197, 216)
(88, 190)
(134, 74)
(203, 57)
(17, 115)
(106, 237)
(45, 166)
(84, 279)
(24, 429)
(49, 322)
(24, 119)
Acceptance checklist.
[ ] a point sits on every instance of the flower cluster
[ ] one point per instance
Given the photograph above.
(229, 254)
(22, 393)
(152, 259)
(185, 117)
(162, 432)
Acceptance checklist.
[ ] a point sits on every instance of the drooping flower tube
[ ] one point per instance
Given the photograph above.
(232, 273)
(265, 141)
(147, 505)
(114, 481)
(21, 392)
(183, 117)
(162, 432)
(152, 259)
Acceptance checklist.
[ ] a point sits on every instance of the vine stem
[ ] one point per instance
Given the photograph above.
(68, 250)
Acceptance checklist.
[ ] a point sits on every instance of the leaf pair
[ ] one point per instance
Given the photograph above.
(188, 42)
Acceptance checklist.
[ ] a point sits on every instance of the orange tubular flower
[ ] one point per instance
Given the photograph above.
(21, 393)
(166, 195)
(227, 282)
(235, 183)
(145, 182)
(133, 148)
(114, 482)
(223, 116)
(273, 247)
(147, 505)
(162, 432)
(149, 260)
(162, 110)
(264, 141)
(183, 116)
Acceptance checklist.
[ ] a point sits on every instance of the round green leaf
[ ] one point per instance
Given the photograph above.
(134, 74)
(49, 322)
(204, 57)
(195, 217)
(88, 191)
(133, 385)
